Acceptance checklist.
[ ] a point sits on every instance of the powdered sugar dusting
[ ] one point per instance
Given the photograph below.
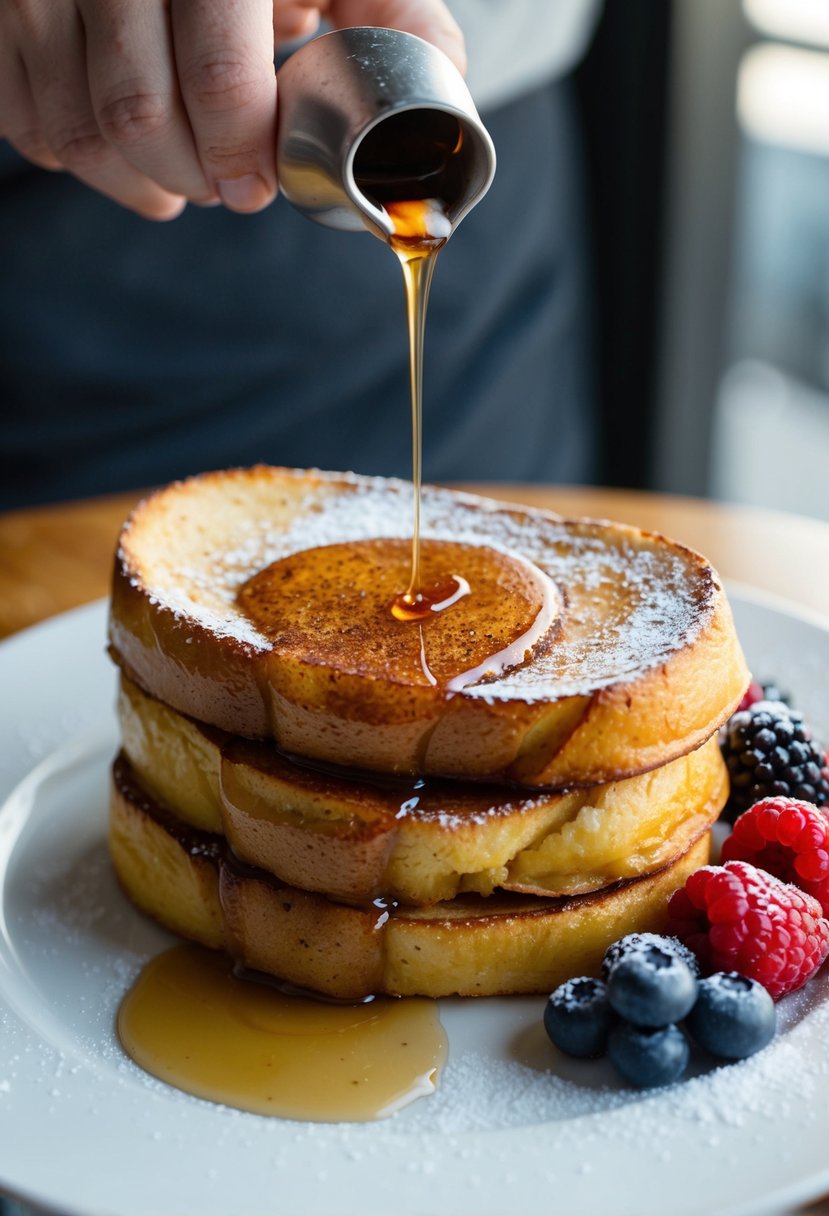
(85, 944)
(631, 601)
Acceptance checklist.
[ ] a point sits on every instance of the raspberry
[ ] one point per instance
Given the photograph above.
(769, 751)
(738, 918)
(789, 839)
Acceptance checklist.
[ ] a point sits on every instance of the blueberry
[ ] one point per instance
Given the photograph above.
(733, 1017)
(651, 986)
(647, 1057)
(636, 941)
(577, 1017)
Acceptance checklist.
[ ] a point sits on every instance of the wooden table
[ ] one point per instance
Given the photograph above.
(54, 558)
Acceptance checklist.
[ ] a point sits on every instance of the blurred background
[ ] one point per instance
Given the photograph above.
(705, 128)
(708, 130)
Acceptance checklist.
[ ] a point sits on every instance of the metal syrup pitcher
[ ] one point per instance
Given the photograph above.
(366, 114)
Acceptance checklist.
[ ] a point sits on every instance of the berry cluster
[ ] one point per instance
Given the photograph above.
(650, 984)
(757, 925)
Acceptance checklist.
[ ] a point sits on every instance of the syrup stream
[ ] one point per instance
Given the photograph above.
(421, 229)
(414, 166)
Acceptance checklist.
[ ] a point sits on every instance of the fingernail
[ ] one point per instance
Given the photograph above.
(247, 193)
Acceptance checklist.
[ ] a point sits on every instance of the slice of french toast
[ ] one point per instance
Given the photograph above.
(574, 652)
(188, 881)
(418, 842)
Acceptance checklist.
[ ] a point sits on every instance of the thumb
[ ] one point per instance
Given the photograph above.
(429, 19)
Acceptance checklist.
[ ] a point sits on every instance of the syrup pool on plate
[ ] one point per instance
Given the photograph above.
(191, 1022)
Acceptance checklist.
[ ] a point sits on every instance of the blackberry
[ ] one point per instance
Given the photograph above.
(769, 752)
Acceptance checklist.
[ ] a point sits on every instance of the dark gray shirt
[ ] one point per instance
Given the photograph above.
(133, 352)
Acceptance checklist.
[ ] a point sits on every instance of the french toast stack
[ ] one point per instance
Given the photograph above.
(474, 801)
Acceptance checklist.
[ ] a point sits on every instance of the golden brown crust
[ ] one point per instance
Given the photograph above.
(419, 843)
(470, 946)
(644, 667)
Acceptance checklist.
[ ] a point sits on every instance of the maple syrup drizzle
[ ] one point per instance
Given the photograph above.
(191, 1022)
(412, 166)
(462, 588)
(424, 663)
(421, 229)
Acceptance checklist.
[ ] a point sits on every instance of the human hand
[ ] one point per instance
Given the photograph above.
(162, 102)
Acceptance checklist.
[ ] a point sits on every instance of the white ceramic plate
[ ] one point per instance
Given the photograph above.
(513, 1127)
